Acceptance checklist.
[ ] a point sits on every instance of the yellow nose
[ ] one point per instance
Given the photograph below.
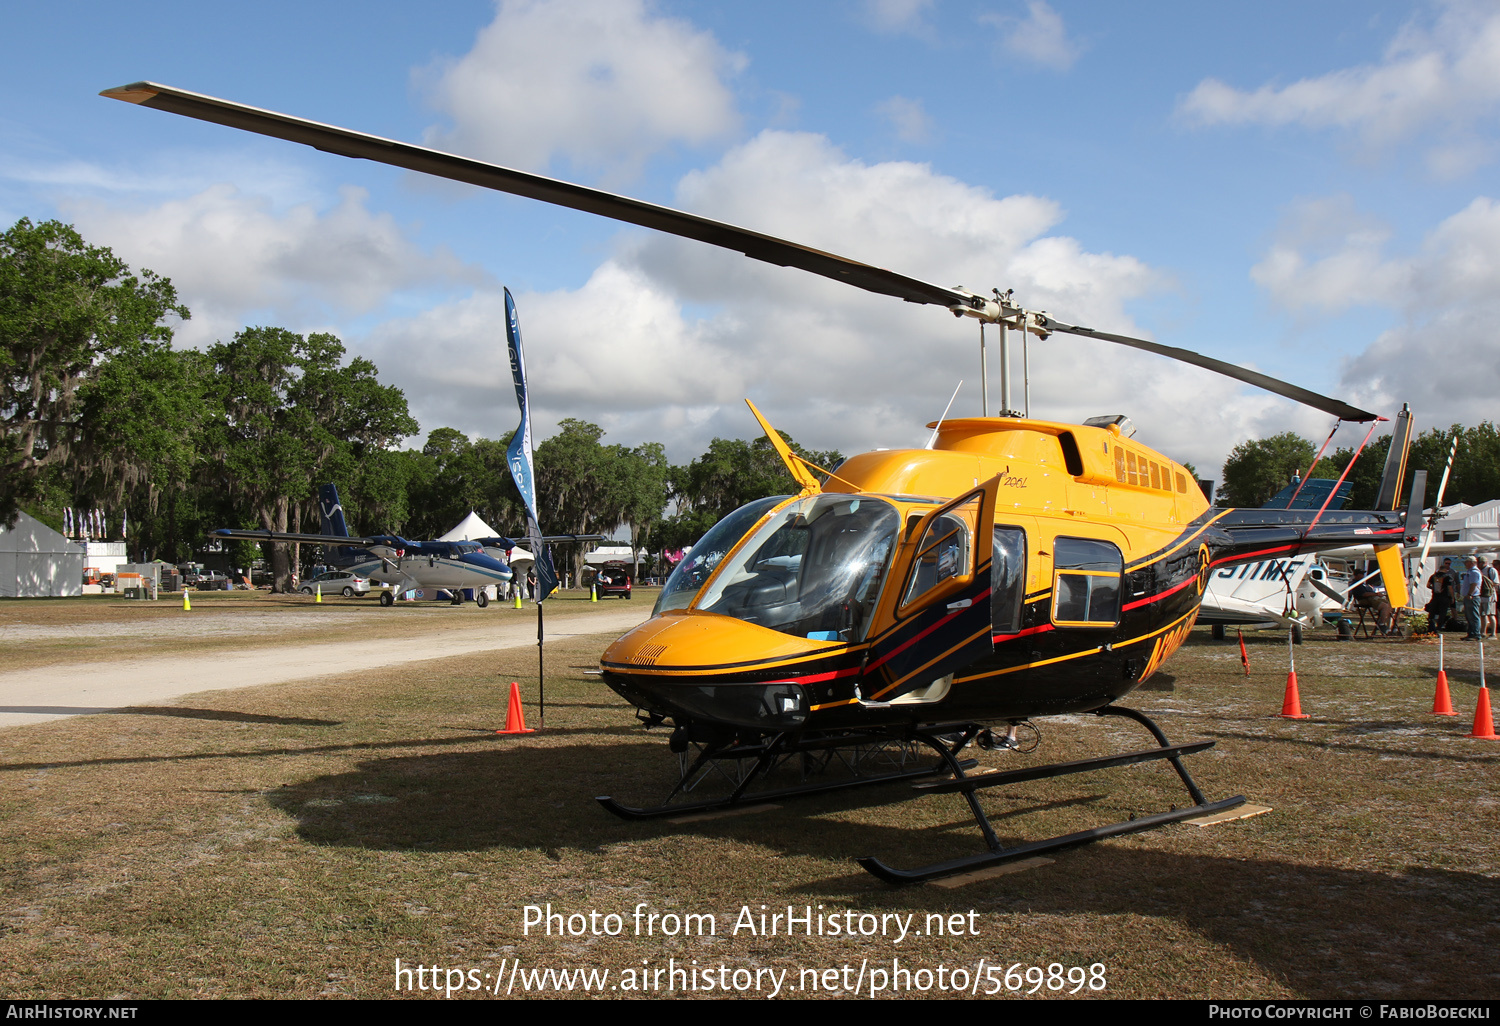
(689, 640)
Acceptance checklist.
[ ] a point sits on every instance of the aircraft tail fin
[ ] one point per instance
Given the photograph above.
(332, 512)
(1395, 462)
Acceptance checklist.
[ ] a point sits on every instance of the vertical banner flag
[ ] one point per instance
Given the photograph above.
(518, 455)
(68, 521)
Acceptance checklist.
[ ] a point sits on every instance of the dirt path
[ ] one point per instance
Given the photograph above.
(53, 692)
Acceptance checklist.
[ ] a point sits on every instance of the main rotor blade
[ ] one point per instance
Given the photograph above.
(1339, 409)
(752, 244)
(549, 190)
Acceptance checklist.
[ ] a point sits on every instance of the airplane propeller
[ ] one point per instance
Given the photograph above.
(998, 309)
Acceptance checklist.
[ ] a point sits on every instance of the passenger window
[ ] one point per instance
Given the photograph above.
(941, 557)
(944, 553)
(1086, 585)
(1008, 579)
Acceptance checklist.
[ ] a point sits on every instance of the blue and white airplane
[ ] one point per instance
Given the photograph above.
(400, 565)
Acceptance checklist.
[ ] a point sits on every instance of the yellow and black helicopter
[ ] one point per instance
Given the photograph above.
(1016, 568)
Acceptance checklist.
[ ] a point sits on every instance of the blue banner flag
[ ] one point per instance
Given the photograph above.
(519, 455)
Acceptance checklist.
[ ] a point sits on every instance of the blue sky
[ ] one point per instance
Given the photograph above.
(1303, 188)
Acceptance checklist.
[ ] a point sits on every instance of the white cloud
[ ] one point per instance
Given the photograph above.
(232, 255)
(1443, 81)
(1040, 37)
(897, 15)
(1442, 355)
(907, 118)
(603, 84)
(1328, 257)
(619, 348)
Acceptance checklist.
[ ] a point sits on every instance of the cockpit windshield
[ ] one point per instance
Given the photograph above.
(814, 569)
(699, 564)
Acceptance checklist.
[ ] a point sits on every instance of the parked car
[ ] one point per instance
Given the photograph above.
(612, 580)
(341, 581)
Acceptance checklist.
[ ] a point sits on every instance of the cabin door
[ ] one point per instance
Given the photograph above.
(943, 614)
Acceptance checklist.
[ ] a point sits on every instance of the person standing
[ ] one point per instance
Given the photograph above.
(1469, 591)
(1441, 586)
(1489, 597)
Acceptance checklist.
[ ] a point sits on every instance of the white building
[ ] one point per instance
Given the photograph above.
(37, 562)
(105, 556)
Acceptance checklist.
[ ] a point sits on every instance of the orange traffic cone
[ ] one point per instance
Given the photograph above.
(1442, 702)
(515, 719)
(1244, 656)
(1291, 705)
(1484, 723)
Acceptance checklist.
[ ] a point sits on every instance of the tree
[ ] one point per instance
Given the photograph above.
(64, 306)
(1259, 468)
(574, 478)
(139, 438)
(639, 493)
(733, 472)
(294, 415)
(1364, 477)
(462, 476)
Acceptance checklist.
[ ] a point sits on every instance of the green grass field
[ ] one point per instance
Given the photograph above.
(298, 840)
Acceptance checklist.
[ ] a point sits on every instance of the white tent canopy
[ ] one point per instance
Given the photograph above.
(469, 528)
(473, 526)
(1470, 523)
(37, 562)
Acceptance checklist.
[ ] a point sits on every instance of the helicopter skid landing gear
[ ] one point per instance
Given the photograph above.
(854, 751)
(999, 854)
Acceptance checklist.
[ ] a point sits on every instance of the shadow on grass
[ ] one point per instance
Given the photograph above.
(1323, 931)
(482, 736)
(1159, 682)
(170, 710)
(1371, 728)
(228, 715)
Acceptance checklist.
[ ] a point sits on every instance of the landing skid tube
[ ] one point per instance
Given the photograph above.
(999, 854)
(781, 746)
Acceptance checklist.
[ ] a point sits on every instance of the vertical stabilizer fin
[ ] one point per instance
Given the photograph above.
(331, 512)
(1395, 461)
(798, 469)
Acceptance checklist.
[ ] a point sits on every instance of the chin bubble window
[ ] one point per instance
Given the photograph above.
(1086, 583)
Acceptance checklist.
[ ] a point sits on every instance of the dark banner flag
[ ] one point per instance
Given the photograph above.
(518, 456)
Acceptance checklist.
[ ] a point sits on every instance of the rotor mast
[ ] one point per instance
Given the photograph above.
(1004, 313)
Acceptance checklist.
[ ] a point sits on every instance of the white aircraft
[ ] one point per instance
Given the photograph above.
(1280, 592)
